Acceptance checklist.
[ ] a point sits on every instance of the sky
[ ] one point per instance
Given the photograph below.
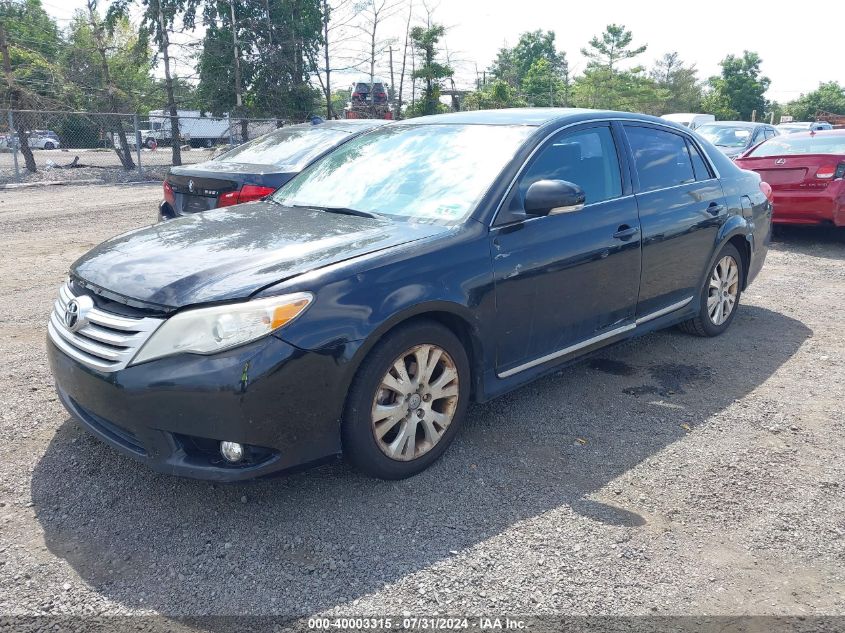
(798, 52)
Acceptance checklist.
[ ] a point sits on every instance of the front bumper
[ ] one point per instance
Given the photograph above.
(171, 413)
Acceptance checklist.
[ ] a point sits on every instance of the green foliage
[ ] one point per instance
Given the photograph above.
(34, 45)
(513, 64)
(543, 85)
(130, 68)
(679, 82)
(611, 47)
(273, 52)
(828, 97)
(739, 90)
(605, 85)
(494, 96)
(431, 71)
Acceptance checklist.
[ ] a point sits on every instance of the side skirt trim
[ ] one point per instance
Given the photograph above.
(566, 351)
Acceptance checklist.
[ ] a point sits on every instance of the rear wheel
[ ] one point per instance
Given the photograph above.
(407, 401)
(49, 145)
(150, 143)
(719, 296)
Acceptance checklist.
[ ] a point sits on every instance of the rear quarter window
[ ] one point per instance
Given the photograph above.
(661, 158)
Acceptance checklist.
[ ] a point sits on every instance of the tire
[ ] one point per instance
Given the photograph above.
(49, 145)
(706, 324)
(419, 429)
(150, 143)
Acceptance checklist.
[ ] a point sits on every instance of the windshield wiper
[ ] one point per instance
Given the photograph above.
(342, 211)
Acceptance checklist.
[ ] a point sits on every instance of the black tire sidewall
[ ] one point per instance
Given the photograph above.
(49, 145)
(711, 328)
(359, 443)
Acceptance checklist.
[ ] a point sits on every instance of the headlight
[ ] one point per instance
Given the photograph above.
(211, 330)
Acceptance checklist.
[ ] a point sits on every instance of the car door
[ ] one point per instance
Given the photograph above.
(681, 206)
(562, 279)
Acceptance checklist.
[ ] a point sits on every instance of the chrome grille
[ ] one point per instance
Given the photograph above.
(107, 342)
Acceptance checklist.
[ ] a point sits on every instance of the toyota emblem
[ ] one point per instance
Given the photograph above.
(191, 186)
(76, 313)
(780, 161)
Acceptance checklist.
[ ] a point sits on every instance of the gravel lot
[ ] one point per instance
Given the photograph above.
(669, 475)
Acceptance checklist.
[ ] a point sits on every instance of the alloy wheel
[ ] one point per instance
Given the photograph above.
(415, 402)
(723, 290)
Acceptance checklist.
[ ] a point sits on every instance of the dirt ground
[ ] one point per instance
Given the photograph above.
(668, 475)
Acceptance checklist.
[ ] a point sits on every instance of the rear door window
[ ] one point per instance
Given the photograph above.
(585, 157)
(661, 158)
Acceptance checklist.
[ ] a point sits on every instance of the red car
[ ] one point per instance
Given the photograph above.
(807, 174)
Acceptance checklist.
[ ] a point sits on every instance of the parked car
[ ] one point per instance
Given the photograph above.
(255, 169)
(802, 126)
(38, 139)
(806, 172)
(360, 308)
(692, 120)
(736, 137)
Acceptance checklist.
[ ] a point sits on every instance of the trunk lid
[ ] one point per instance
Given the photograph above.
(792, 172)
(197, 188)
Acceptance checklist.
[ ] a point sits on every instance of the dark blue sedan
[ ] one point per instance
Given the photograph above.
(420, 266)
(255, 169)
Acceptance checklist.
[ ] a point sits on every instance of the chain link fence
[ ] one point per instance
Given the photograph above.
(44, 145)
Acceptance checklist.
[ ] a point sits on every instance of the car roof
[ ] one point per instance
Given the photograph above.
(736, 123)
(808, 134)
(526, 116)
(349, 125)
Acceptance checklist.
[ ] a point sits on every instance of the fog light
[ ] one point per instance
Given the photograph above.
(232, 451)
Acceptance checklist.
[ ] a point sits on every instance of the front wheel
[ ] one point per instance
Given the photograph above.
(407, 401)
(719, 296)
(49, 145)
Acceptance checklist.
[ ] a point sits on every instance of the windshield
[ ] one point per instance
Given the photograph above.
(292, 147)
(792, 145)
(726, 135)
(435, 173)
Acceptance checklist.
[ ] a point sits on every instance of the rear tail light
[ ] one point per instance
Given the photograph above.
(248, 193)
(826, 171)
(169, 197)
(766, 188)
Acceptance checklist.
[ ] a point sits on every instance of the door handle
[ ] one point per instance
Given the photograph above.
(715, 208)
(626, 232)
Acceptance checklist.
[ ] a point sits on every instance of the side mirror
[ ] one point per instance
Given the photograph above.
(550, 197)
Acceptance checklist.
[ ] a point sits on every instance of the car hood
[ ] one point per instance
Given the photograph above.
(233, 252)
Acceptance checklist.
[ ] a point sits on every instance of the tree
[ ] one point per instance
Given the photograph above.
(543, 85)
(606, 84)
(158, 18)
(30, 44)
(513, 64)
(258, 57)
(336, 17)
(740, 89)
(679, 81)
(828, 97)
(373, 14)
(495, 95)
(426, 40)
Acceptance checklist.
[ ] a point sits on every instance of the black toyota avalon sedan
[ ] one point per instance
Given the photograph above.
(420, 266)
(255, 169)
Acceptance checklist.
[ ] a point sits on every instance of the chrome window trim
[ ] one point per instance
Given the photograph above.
(566, 351)
(669, 128)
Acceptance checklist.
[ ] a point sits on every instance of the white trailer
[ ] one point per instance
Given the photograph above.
(195, 128)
